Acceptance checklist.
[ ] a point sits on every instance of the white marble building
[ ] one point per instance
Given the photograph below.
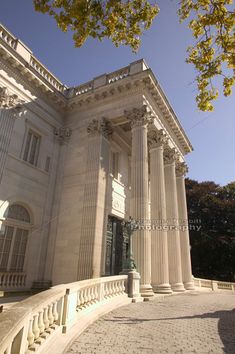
(76, 162)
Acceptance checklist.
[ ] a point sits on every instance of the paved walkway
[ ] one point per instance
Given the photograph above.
(187, 323)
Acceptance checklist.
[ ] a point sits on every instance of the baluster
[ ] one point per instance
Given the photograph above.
(116, 288)
(119, 287)
(123, 286)
(50, 315)
(82, 297)
(45, 318)
(55, 312)
(35, 328)
(85, 297)
(105, 290)
(40, 322)
(88, 296)
(93, 294)
(96, 293)
(109, 289)
(30, 337)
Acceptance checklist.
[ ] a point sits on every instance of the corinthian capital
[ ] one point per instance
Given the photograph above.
(181, 169)
(157, 138)
(62, 134)
(9, 101)
(101, 126)
(170, 155)
(139, 116)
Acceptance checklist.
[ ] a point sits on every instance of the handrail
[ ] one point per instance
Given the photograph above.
(30, 323)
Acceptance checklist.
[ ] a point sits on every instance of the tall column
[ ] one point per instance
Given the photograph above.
(174, 254)
(97, 168)
(159, 250)
(10, 107)
(181, 170)
(139, 195)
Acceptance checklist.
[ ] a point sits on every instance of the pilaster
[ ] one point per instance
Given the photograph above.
(97, 168)
(10, 108)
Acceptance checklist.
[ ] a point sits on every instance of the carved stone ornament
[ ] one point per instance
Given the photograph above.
(170, 155)
(157, 138)
(8, 101)
(139, 116)
(181, 169)
(101, 126)
(62, 134)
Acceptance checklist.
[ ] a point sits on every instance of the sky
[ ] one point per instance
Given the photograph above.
(212, 134)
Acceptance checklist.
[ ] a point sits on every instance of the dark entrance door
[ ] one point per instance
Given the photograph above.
(116, 246)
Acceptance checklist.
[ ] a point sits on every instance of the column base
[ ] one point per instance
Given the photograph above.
(189, 285)
(162, 288)
(178, 287)
(146, 290)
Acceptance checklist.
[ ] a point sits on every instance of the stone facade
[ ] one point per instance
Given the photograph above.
(78, 161)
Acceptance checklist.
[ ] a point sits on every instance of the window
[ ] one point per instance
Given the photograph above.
(31, 149)
(13, 239)
(47, 164)
(115, 164)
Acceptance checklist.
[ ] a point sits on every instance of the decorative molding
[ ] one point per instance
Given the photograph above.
(157, 138)
(10, 101)
(62, 134)
(101, 126)
(139, 116)
(181, 169)
(170, 155)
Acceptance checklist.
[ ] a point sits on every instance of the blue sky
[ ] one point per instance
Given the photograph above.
(164, 49)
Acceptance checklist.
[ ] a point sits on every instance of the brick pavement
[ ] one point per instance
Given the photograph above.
(187, 323)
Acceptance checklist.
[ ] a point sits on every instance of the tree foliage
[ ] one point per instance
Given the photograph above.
(212, 23)
(213, 245)
(121, 21)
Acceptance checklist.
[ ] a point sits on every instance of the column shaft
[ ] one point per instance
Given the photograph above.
(159, 251)
(175, 270)
(184, 234)
(139, 205)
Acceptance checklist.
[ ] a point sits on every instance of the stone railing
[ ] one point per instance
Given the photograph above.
(7, 37)
(33, 324)
(12, 280)
(26, 54)
(41, 70)
(214, 284)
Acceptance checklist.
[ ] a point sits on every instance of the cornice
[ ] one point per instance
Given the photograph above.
(131, 78)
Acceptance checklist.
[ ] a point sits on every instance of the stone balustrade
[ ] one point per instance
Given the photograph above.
(214, 284)
(118, 75)
(108, 79)
(12, 280)
(7, 37)
(32, 324)
(36, 65)
(22, 50)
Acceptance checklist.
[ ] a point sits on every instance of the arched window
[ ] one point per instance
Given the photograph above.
(13, 238)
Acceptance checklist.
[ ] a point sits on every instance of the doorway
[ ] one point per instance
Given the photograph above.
(116, 246)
